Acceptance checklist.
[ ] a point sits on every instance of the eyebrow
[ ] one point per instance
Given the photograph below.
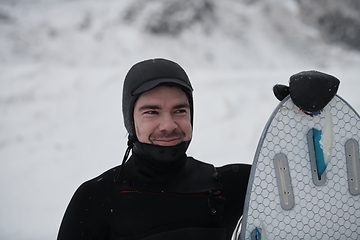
(145, 107)
(148, 107)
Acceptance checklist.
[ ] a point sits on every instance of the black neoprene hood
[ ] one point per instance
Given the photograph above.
(146, 75)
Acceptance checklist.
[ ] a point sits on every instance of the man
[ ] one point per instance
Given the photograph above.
(160, 192)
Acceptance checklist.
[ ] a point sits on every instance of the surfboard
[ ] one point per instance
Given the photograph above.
(287, 197)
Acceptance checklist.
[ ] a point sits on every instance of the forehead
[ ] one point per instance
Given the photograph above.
(163, 93)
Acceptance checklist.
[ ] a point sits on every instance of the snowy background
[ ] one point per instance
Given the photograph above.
(62, 65)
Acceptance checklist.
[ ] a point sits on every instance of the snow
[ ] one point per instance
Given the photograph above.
(62, 64)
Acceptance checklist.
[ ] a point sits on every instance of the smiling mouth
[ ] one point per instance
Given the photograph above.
(166, 141)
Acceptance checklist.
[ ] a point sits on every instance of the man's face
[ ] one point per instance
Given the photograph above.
(162, 116)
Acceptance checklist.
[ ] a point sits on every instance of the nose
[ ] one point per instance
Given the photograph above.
(167, 123)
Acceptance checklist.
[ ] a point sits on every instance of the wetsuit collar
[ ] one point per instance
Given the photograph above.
(154, 160)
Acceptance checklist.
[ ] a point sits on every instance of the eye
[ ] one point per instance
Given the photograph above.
(152, 112)
(181, 111)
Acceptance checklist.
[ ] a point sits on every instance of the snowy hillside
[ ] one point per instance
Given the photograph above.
(62, 64)
(202, 33)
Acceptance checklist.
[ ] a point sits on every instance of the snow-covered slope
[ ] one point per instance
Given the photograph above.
(203, 33)
(62, 64)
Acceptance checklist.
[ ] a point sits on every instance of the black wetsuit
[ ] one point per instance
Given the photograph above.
(188, 200)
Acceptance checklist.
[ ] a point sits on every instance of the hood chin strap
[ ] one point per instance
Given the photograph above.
(130, 143)
(161, 156)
